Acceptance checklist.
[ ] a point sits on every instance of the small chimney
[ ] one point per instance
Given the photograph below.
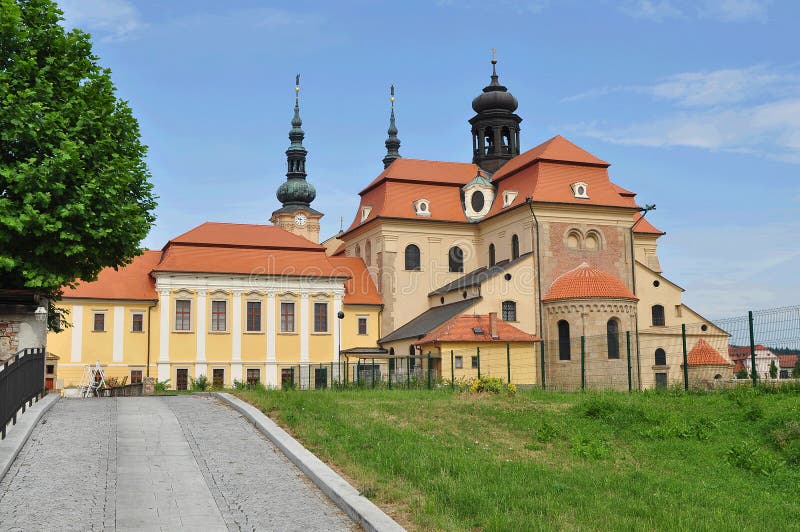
(493, 325)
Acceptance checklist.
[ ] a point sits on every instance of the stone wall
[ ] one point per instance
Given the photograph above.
(20, 331)
(9, 337)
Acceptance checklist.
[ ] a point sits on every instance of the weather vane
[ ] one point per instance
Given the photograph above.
(391, 90)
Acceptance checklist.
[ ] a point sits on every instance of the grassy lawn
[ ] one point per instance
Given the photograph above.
(441, 460)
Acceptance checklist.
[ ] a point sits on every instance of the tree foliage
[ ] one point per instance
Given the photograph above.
(75, 195)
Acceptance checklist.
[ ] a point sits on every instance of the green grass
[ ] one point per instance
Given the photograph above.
(438, 460)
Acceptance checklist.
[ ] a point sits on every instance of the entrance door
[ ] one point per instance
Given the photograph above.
(218, 377)
(661, 380)
(48, 383)
(182, 379)
(320, 378)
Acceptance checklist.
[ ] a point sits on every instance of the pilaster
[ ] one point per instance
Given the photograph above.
(77, 333)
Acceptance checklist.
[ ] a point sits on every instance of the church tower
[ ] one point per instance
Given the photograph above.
(296, 194)
(392, 142)
(495, 127)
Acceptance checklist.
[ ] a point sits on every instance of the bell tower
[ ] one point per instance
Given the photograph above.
(495, 127)
(296, 193)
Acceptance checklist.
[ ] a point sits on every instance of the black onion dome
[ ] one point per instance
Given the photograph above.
(495, 96)
(296, 191)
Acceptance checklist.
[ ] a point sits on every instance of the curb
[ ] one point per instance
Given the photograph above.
(18, 436)
(345, 496)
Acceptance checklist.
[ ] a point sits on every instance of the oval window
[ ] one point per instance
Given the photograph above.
(477, 201)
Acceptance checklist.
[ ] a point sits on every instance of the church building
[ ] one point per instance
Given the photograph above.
(529, 250)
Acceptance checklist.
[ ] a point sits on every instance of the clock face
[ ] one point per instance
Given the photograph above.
(300, 220)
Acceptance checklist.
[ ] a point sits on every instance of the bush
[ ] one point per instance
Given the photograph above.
(491, 385)
(162, 386)
(200, 384)
(751, 457)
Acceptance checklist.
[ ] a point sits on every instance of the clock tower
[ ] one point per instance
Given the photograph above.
(296, 193)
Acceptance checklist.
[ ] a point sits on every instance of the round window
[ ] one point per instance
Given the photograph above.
(423, 207)
(656, 283)
(704, 327)
(581, 191)
(477, 201)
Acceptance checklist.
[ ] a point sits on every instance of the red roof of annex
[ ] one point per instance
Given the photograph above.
(588, 282)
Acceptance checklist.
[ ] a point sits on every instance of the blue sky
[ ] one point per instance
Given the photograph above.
(695, 103)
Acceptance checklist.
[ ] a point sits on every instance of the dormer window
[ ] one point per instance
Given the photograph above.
(478, 197)
(508, 197)
(365, 210)
(580, 190)
(422, 207)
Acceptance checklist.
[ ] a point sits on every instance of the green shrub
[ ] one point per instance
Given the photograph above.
(751, 457)
(590, 447)
(787, 438)
(162, 386)
(491, 385)
(200, 384)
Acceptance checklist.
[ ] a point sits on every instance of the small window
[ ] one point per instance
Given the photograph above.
(492, 260)
(459, 362)
(320, 317)
(474, 362)
(508, 197)
(183, 315)
(509, 311)
(656, 283)
(612, 333)
(456, 259)
(412, 258)
(219, 316)
(422, 207)
(362, 325)
(287, 317)
(50, 369)
(365, 213)
(253, 316)
(661, 357)
(514, 247)
(580, 190)
(253, 376)
(563, 340)
(661, 380)
(99, 322)
(218, 377)
(477, 201)
(658, 316)
(137, 322)
(136, 376)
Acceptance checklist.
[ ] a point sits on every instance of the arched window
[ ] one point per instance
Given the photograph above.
(658, 315)
(412, 362)
(563, 340)
(412, 257)
(368, 253)
(358, 250)
(509, 311)
(456, 259)
(491, 255)
(612, 332)
(488, 138)
(661, 357)
(514, 247)
(505, 135)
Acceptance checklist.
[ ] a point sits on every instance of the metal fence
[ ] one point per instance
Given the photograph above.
(21, 382)
(707, 355)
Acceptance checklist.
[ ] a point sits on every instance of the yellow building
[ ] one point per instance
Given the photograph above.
(541, 240)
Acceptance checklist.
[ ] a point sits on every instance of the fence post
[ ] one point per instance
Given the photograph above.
(408, 372)
(754, 373)
(628, 343)
(452, 370)
(685, 359)
(544, 381)
(479, 362)
(508, 361)
(429, 370)
(373, 372)
(583, 363)
(389, 363)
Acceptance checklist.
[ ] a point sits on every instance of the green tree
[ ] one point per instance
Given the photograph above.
(74, 189)
(773, 370)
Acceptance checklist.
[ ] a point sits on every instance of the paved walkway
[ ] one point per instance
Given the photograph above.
(157, 463)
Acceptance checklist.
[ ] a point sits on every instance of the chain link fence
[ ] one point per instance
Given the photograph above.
(708, 355)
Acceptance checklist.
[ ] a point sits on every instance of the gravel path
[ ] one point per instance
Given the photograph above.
(167, 463)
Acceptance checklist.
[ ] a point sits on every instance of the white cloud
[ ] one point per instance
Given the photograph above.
(720, 10)
(110, 20)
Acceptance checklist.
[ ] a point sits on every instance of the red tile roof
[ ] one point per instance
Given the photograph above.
(642, 225)
(556, 149)
(422, 171)
(787, 361)
(359, 288)
(736, 352)
(462, 329)
(588, 282)
(131, 282)
(243, 235)
(704, 354)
